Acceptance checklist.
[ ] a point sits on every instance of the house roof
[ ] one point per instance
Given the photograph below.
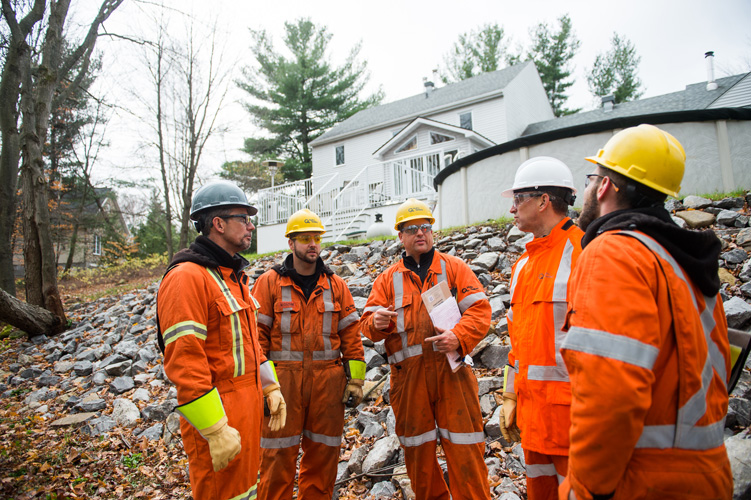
(447, 97)
(417, 122)
(694, 97)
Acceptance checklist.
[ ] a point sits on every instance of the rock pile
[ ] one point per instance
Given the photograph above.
(105, 374)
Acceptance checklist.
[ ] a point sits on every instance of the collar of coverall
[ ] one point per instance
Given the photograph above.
(206, 253)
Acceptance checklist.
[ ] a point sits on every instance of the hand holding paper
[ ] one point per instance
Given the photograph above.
(445, 341)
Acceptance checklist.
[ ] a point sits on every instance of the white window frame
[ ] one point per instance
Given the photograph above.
(450, 138)
(401, 149)
(97, 245)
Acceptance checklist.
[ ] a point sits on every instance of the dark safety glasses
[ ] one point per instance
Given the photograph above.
(414, 228)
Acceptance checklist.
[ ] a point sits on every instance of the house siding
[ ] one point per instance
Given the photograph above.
(526, 102)
(738, 96)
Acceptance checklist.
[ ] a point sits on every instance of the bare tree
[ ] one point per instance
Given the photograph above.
(27, 88)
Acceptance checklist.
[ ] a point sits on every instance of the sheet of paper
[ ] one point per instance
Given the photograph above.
(444, 313)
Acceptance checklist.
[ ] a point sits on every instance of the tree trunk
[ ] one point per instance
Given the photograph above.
(32, 320)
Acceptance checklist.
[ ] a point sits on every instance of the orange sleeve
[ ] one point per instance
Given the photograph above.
(349, 334)
(473, 304)
(610, 397)
(183, 318)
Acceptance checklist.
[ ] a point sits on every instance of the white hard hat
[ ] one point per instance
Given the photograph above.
(539, 172)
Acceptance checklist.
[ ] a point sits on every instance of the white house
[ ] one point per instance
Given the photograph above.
(381, 156)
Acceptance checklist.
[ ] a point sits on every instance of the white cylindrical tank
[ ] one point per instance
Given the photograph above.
(378, 228)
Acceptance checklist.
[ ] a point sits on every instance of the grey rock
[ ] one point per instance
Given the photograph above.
(485, 279)
(509, 495)
(30, 373)
(727, 217)
(743, 238)
(63, 366)
(486, 385)
(357, 457)
(147, 354)
(141, 394)
(119, 369)
(734, 256)
(487, 260)
(474, 242)
(501, 289)
(696, 219)
(172, 428)
(507, 487)
(122, 384)
(342, 473)
(373, 359)
(493, 427)
(99, 378)
(496, 244)
(160, 411)
(729, 203)
(47, 379)
(381, 454)
(488, 404)
(39, 395)
(514, 234)
(127, 348)
(495, 356)
(350, 257)
(696, 202)
(374, 429)
(745, 274)
(365, 418)
(738, 312)
(470, 255)
(391, 423)
(497, 307)
(679, 222)
(83, 368)
(382, 491)
(671, 205)
(99, 426)
(153, 433)
(520, 245)
(87, 355)
(125, 412)
(138, 367)
(739, 413)
(742, 221)
(405, 485)
(739, 451)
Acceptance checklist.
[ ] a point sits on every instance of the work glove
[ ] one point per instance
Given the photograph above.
(224, 443)
(277, 407)
(507, 419)
(353, 392)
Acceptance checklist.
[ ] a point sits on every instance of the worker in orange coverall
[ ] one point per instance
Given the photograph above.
(427, 398)
(647, 345)
(207, 330)
(310, 328)
(536, 392)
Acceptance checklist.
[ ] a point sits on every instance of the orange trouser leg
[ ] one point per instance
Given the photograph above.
(244, 411)
(544, 474)
(322, 431)
(459, 420)
(424, 472)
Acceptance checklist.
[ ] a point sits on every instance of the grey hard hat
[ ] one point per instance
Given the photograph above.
(217, 194)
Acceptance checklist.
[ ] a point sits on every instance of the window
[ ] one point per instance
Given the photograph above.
(97, 245)
(436, 138)
(465, 121)
(409, 146)
(340, 155)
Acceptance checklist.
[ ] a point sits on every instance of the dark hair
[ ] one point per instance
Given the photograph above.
(634, 194)
(205, 218)
(560, 197)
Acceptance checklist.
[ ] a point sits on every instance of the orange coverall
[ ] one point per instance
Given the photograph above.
(427, 398)
(307, 340)
(539, 300)
(207, 318)
(648, 359)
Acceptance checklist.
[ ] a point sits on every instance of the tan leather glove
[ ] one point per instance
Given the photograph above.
(353, 390)
(277, 407)
(507, 419)
(224, 443)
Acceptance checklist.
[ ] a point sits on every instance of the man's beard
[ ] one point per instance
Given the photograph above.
(303, 256)
(590, 212)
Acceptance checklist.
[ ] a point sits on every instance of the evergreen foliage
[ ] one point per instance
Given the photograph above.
(615, 72)
(477, 52)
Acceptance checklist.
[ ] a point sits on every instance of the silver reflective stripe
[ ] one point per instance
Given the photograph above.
(411, 441)
(248, 495)
(547, 373)
(277, 443)
(469, 300)
(539, 470)
(519, 265)
(411, 351)
(348, 320)
(510, 379)
(557, 373)
(285, 324)
(285, 355)
(462, 437)
(333, 441)
(398, 302)
(510, 313)
(564, 271)
(371, 309)
(326, 326)
(238, 352)
(268, 374)
(325, 355)
(611, 346)
(265, 320)
(442, 276)
(686, 434)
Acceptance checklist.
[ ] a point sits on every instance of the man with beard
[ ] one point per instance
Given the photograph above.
(208, 333)
(647, 343)
(428, 399)
(536, 377)
(310, 328)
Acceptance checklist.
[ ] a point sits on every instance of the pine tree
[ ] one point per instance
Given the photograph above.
(297, 99)
(477, 52)
(614, 71)
(552, 52)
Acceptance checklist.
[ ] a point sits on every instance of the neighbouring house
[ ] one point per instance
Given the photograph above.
(711, 119)
(94, 220)
(373, 161)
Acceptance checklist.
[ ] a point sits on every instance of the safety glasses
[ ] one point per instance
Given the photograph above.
(244, 218)
(589, 176)
(305, 239)
(414, 228)
(520, 198)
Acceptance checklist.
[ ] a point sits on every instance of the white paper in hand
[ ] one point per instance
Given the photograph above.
(444, 313)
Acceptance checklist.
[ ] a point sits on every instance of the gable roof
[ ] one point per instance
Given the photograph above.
(418, 122)
(450, 96)
(694, 97)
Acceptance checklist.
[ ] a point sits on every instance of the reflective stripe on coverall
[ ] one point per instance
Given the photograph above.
(424, 391)
(306, 341)
(648, 358)
(538, 310)
(209, 330)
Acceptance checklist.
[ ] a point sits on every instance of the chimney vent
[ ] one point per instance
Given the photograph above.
(429, 86)
(711, 84)
(608, 102)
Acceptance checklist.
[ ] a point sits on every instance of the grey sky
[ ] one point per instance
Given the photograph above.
(403, 41)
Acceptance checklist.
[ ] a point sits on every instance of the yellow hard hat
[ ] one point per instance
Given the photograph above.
(646, 154)
(410, 210)
(304, 221)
